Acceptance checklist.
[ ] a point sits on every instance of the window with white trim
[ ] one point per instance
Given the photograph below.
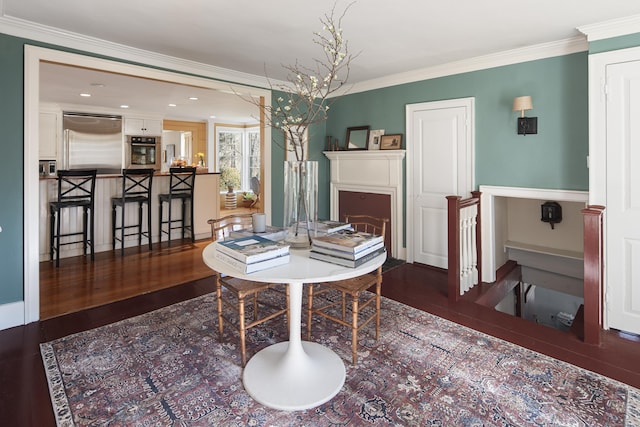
(238, 156)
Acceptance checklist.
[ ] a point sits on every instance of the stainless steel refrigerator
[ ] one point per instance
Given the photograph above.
(93, 142)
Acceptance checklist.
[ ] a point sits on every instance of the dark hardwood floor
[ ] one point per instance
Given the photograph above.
(81, 295)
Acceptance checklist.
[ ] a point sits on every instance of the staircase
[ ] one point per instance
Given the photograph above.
(465, 275)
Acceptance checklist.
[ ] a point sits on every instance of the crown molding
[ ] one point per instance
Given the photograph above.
(611, 28)
(499, 59)
(45, 34)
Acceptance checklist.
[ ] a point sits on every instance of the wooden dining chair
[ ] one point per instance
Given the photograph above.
(241, 290)
(365, 306)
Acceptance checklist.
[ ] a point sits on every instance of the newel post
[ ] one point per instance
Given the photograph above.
(477, 195)
(593, 273)
(453, 253)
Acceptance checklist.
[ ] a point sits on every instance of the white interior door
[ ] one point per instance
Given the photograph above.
(623, 197)
(440, 162)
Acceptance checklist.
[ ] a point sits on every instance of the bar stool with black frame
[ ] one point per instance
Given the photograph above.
(136, 188)
(181, 187)
(76, 189)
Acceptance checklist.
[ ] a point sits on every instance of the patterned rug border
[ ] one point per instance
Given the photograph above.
(64, 416)
(61, 407)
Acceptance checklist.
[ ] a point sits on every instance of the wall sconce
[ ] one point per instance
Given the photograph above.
(526, 125)
(551, 212)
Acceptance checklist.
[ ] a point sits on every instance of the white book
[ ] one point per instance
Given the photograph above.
(347, 262)
(347, 240)
(347, 254)
(252, 248)
(253, 267)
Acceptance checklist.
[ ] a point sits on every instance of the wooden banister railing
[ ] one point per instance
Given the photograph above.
(593, 273)
(464, 252)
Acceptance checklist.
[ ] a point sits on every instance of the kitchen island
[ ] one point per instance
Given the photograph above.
(206, 206)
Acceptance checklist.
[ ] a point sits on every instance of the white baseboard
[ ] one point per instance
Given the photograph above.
(11, 315)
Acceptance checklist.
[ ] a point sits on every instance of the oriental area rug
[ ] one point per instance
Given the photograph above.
(168, 368)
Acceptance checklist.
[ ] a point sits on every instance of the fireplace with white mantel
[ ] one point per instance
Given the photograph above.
(375, 172)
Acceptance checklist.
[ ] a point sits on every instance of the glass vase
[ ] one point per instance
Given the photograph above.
(300, 202)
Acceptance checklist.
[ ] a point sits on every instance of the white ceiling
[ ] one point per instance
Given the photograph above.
(63, 84)
(258, 37)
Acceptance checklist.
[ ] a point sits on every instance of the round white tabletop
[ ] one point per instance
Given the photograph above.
(295, 374)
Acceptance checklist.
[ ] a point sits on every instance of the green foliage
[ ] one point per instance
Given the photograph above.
(248, 196)
(229, 177)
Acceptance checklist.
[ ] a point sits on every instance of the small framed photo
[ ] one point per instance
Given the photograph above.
(374, 139)
(391, 142)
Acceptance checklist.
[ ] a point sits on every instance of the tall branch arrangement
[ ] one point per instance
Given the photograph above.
(308, 93)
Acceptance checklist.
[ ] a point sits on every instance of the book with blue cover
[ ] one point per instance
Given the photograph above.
(253, 248)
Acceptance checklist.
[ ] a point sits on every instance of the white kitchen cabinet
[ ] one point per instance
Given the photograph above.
(49, 134)
(136, 126)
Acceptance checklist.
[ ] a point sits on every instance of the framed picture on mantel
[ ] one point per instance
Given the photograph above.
(374, 139)
(391, 142)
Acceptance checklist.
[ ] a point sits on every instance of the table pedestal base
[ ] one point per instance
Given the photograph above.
(291, 377)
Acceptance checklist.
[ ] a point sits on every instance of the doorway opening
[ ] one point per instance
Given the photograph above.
(34, 57)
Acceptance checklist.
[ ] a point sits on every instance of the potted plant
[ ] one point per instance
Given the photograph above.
(229, 179)
(248, 199)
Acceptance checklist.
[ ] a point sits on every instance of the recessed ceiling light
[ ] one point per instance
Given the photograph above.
(97, 85)
(193, 98)
(172, 105)
(212, 117)
(86, 95)
(124, 106)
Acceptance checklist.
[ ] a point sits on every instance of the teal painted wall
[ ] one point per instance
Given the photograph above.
(555, 158)
(614, 43)
(11, 171)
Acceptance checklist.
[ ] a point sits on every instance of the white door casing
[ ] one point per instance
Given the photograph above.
(440, 162)
(623, 196)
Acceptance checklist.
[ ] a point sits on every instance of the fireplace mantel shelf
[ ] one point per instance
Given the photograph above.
(368, 154)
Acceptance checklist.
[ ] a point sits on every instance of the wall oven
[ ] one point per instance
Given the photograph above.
(143, 152)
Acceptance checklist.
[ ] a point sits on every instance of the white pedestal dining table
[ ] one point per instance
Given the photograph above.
(294, 375)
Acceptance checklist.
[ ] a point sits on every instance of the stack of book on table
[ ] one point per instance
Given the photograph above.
(252, 253)
(346, 247)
